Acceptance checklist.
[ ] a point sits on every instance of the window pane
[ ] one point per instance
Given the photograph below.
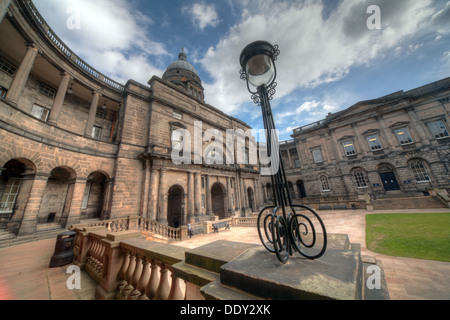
(349, 148)
(374, 142)
(438, 129)
(403, 136)
(40, 112)
(96, 132)
(317, 155)
(419, 171)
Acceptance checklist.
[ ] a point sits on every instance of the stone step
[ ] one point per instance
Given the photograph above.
(43, 235)
(424, 202)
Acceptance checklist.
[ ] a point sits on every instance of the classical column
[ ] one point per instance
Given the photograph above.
(59, 99)
(256, 195)
(198, 194)
(361, 142)
(29, 222)
(417, 125)
(162, 198)
(392, 144)
(337, 146)
(229, 197)
(208, 196)
(241, 188)
(22, 74)
(4, 4)
(145, 189)
(153, 195)
(92, 114)
(190, 197)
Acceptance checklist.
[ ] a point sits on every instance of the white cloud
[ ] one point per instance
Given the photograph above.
(314, 50)
(109, 36)
(202, 15)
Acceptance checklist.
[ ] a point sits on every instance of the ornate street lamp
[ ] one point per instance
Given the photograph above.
(281, 228)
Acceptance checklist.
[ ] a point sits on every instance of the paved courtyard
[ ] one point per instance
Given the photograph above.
(24, 272)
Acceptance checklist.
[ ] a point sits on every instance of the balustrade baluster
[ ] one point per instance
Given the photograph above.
(164, 284)
(153, 283)
(176, 293)
(128, 288)
(135, 279)
(144, 279)
(122, 273)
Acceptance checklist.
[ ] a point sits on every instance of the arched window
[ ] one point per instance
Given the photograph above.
(419, 170)
(360, 178)
(324, 184)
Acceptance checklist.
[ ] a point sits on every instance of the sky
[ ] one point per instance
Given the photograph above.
(333, 53)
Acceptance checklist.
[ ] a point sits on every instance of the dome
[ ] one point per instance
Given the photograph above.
(183, 74)
(182, 63)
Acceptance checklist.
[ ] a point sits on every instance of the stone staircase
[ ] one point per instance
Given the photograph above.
(43, 232)
(398, 203)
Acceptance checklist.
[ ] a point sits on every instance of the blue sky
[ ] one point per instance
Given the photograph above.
(329, 58)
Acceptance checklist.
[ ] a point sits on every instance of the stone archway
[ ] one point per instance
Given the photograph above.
(57, 196)
(218, 200)
(16, 180)
(175, 206)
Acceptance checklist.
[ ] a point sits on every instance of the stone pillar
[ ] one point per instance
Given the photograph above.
(92, 114)
(22, 74)
(242, 189)
(337, 146)
(417, 125)
(29, 221)
(362, 144)
(229, 197)
(4, 4)
(107, 196)
(391, 143)
(162, 198)
(75, 203)
(190, 197)
(256, 195)
(59, 99)
(198, 194)
(208, 196)
(145, 189)
(153, 195)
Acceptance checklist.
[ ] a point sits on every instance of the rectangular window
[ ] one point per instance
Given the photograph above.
(100, 113)
(177, 116)
(203, 201)
(3, 92)
(438, 129)
(7, 67)
(374, 143)
(40, 113)
(47, 91)
(317, 156)
(87, 191)
(96, 132)
(297, 164)
(9, 195)
(403, 136)
(349, 148)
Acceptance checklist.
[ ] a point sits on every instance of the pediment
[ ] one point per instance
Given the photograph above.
(399, 124)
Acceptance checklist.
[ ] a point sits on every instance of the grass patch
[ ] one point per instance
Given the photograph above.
(417, 235)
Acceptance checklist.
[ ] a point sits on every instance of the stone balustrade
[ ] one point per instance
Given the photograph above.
(169, 233)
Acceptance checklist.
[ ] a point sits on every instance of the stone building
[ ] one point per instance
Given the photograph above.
(77, 145)
(375, 152)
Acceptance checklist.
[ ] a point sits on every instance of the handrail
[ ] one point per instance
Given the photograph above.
(66, 51)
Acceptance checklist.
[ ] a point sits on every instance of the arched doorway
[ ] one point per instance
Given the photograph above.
(301, 189)
(218, 200)
(388, 177)
(251, 199)
(57, 197)
(16, 180)
(93, 203)
(175, 207)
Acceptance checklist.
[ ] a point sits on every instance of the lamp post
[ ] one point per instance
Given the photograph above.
(281, 229)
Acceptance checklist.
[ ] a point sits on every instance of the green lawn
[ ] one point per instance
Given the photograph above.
(418, 235)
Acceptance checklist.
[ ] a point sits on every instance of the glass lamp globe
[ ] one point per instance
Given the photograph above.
(257, 62)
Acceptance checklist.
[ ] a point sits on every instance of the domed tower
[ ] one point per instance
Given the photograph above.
(182, 74)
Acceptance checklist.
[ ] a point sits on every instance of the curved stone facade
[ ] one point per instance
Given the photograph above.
(77, 145)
